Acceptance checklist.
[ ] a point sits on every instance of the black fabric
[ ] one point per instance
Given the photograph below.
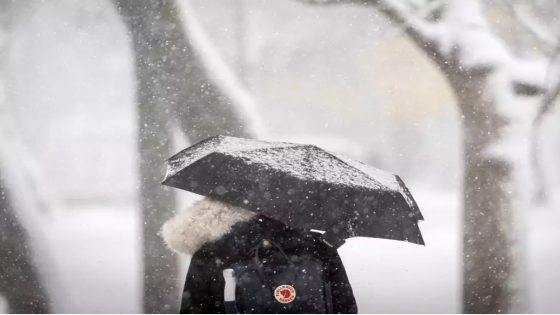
(258, 279)
(204, 286)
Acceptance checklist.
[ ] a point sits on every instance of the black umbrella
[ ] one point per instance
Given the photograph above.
(300, 185)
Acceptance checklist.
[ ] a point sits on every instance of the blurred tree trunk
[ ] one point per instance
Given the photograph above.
(492, 199)
(19, 281)
(172, 86)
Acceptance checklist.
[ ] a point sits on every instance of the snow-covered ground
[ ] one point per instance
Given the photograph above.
(544, 258)
(97, 256)
(98, 261)
(397, 277)
(3, 305)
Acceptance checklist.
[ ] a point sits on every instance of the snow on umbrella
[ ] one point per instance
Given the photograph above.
(300, 185)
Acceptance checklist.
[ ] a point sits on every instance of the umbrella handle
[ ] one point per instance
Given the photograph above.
(336, 235)
(333, 239)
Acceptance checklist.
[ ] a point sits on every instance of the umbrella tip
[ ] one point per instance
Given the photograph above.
(165, 180)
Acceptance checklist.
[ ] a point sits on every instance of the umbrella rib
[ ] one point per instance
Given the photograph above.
(401, 188)
(345, 163)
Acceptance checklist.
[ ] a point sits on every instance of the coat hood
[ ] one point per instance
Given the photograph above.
(206, 221)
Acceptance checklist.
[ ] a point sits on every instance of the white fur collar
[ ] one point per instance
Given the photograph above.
(206, 221)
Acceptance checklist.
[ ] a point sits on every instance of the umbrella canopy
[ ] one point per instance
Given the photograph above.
(300, 185)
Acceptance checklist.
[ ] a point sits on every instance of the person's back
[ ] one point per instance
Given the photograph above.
(220, 236)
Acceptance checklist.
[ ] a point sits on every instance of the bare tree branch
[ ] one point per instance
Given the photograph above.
(553, 93)
(418, 29)
(531, 26)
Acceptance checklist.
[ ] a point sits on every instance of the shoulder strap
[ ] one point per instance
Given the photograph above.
(328, 297)
(259, 266)
(265, 243)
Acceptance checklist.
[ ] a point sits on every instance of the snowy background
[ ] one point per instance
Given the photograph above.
(337, 76)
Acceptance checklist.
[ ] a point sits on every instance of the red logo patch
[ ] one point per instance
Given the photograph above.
(285, 293)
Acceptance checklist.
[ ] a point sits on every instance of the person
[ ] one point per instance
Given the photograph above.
(218, 235)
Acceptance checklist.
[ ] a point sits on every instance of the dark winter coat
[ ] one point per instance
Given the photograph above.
(218, 235)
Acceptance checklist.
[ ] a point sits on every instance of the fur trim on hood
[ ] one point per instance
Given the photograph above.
(206, 221)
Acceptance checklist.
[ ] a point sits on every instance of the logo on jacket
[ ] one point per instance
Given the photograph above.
(285, 293)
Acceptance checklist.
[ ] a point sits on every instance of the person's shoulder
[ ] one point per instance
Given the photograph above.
(215, 248)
